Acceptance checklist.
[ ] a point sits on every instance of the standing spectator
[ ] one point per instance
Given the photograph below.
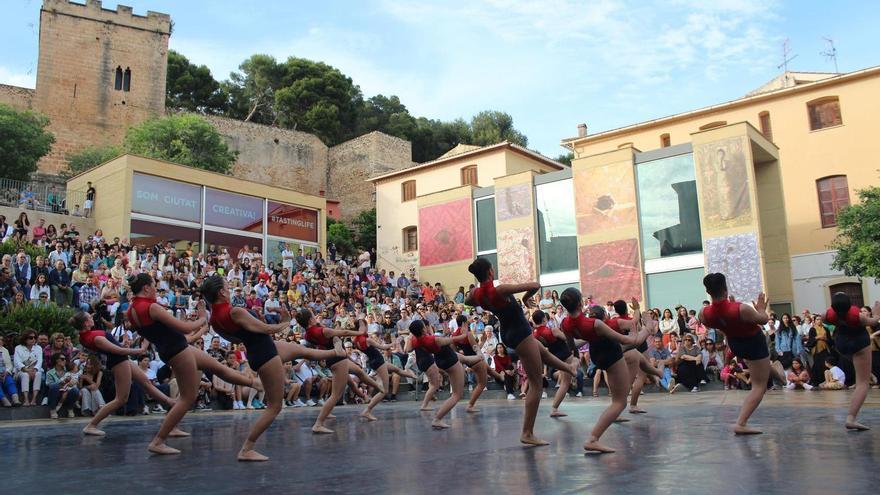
(287, 258)
(53, 199)
(61, 386)
(819, 342)
(59, 282)
(7, 381)
(331, 250)
(667, 326)
(23, 273)
(27, 364)
(788, 341)
(89, 205)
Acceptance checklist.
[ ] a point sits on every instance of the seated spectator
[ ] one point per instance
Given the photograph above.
(27, 198)
(835, 379)
(27, 364)
(55, 346)
(76, 211)
(8, 286)
(8, 390)
(90, 387)
(59, 283)
(272, 309)
(712, 360)
(61, 384)
(798, 376)
(734, 376)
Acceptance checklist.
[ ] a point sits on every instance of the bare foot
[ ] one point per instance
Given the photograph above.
(321, 429)
(557, 414)
(426, 408)
(162, 449)
(636, 410)
(251, 456)
(745, 430)
(598, 448)
(621, 420)
(439, 425)
(178, 433)
(337, 346)
(473, 409)
(856, 426)
(531, 440)
(369, 417)
(91, 430)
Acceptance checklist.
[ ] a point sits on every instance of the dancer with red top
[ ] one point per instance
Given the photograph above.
(124, 369)
(265, 355)
(446, 359)
(555, 342)
(636, 361)
(606, 354)
(372, 347)
(741, 324)
(325, 338)
(155, 324)
(851, 339)
(516, 333)
(467, 354)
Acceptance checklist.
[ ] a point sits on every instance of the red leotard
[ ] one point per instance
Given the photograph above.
(427, 343)
(316, 336)
(581, 327)
(544, 332)
(724, 315)
(852, 318)
(87, 339)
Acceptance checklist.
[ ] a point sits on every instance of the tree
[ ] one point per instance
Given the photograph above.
(185, 139)
(365, 228)
(23, 141)
(491, 127)
(432, 138)
(91, 157)
(565, 158)
(192, 87)
(385, 114)
(858, 238)
(340, 235)
(252, 89)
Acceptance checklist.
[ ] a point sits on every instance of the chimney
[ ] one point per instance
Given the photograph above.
(582, 130)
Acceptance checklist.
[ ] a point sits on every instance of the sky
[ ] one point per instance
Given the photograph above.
(551, 64)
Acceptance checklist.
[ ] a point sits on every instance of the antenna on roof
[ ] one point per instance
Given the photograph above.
(830, 53)
(786, 51)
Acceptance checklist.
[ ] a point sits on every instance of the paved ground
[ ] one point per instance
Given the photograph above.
(683, 446)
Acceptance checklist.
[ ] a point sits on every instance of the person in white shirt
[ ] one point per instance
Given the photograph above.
(272, 309)
(27, 365)
(835, 378)
(305, 375)
(287, 257)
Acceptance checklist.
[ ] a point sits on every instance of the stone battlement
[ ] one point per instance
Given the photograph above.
(123, 15)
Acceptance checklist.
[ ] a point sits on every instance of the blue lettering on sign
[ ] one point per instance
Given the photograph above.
(235, 212)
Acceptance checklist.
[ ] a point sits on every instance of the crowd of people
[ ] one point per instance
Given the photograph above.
(90, 272)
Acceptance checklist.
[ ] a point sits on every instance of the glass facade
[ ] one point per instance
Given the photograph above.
(669, 289)
(166, 198)
(485, 224)
(275, 245)
(233, 211)
(292, 222)
(231, 242)
(148, 234)
(557, 228)
(668, 211)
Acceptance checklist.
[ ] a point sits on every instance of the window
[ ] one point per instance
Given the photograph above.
(117, 85)
(824, 112)
(410, 239)
(833, 195)
(766, 130)
(126, 80)
(851, 289)
(469, 176)
(665, 142)
(408, 190)
(712, 125)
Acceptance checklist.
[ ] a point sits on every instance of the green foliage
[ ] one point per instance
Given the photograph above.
(49, 319)
(491, 127)
(11, 248)
(23, 141)
(565, 158)
(91, 157)
(252, 89)
(192, 87)
(339, 234)
(185, 139)
(858, 238)
(365, 229)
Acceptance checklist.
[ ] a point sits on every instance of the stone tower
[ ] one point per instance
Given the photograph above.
(99, 72)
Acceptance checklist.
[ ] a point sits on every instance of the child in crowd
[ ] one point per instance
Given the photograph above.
(834, 376)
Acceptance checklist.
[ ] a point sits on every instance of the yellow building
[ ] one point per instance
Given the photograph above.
(801, 145)
(150, 201)
(425, 214)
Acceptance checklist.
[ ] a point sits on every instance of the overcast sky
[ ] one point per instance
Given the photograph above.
(550, 64)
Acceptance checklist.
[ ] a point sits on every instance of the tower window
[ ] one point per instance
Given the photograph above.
(126, 80)
(117, 85)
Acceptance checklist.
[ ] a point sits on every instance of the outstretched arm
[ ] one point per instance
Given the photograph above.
(378, 344)
(246, 320)
(757, 313)
(105, 345)
(628, 340)
(158, 313)
(530, 289)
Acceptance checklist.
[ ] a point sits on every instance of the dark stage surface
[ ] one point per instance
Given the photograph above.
(684, 445)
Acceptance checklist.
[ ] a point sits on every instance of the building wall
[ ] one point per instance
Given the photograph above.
(804, 155)
(80, 48)
(18, 98)
(85, 226)
(812, 276)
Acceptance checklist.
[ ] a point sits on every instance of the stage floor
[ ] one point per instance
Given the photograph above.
(683, 446)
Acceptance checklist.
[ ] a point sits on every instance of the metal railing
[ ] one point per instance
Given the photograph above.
(40, 196)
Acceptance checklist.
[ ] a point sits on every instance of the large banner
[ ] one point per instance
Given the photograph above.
(445, 233)
(233, 211)
(166, 198)
(293, 222)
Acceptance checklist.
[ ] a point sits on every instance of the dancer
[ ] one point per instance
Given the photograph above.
(265, 356)
(516, 333)
(554, 340)
(741, 324)
(124, 369)
(467, 354)
(636, 361)
(446, 359)
(606, 354)
(371, 347)
(852, 339)
(155, 324)
(324, 338)
(425, 363)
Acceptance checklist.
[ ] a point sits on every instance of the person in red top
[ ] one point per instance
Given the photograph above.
(325, 338)
(265, 356)
(606, 354)
(446, 359)
(155, 324)
(637, 363)
(852, 339)
(371, 346)
(741, 324)
(554, 340)
(124, 369)
(467, 354)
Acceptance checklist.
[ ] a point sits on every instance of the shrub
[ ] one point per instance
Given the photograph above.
(11, 247)
(49, 319)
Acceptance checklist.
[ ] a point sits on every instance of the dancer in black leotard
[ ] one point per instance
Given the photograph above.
(265, 355)
(554, 340)
(517, 333)
(636, 361)
(851, 339)
(425, 363)
(124, 369)
(373, 348)
(445, 358)
(468, 356)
